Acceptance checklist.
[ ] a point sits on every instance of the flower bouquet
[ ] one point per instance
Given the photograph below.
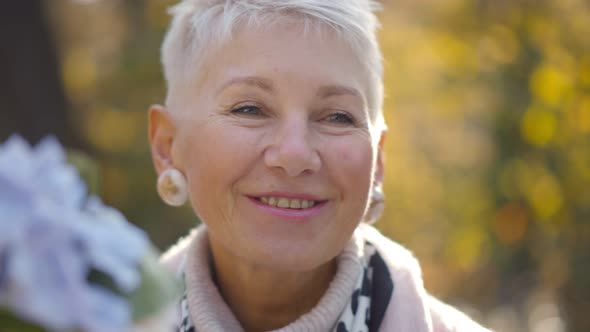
(67, 261)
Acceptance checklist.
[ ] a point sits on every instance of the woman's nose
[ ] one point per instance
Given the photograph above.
(292, 150)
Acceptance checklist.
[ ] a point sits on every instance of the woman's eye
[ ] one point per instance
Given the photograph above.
(248, 110)
(340, 118)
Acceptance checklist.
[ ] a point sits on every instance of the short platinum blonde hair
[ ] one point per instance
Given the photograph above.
(200, 25)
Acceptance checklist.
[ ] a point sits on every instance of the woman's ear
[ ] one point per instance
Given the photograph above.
(379, 167)
(161, 131)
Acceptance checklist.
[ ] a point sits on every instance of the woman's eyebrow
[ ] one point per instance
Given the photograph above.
(255, 81)
(338, 90)
(268, 86)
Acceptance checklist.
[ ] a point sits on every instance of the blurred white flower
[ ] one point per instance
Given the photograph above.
(52, 237)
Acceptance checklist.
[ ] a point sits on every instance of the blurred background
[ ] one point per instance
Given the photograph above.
(488, 150)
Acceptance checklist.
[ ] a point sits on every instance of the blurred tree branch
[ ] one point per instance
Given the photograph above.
(33, 100)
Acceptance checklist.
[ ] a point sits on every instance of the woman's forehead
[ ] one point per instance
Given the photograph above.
(262, 57)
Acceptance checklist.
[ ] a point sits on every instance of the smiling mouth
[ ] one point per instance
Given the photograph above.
(287, 203)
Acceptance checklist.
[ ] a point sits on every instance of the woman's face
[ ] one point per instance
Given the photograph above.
(275, 142)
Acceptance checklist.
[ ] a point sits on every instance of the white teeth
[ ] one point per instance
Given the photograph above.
(272, 201)
(305, 204)
(283, 202)
(287, 203)
(295, 204)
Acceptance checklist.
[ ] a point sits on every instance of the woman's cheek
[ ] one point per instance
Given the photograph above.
(239, 145)
(352, 170)
(353, 153)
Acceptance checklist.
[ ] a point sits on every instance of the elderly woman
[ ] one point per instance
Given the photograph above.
(273, 130)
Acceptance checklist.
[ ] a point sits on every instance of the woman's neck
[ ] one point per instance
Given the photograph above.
(264, 299)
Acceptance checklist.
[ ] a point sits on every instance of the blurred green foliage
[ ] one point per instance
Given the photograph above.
(488, 148)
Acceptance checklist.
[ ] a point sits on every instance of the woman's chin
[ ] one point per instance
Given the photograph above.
(293, 256)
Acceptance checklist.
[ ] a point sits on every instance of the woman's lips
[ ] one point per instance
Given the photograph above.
(307, 208)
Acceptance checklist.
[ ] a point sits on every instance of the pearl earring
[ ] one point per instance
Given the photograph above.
(376, 205)
(172, 187)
